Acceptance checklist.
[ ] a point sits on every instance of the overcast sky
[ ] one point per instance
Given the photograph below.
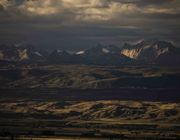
(76, 24)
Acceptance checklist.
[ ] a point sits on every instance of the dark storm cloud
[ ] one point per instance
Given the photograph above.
(81, 23)
(154, 2)
(1, 8)
(145, 2)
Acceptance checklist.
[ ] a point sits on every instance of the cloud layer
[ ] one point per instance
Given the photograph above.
(90, 21)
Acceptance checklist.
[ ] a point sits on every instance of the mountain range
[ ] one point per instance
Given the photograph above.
(145, 52)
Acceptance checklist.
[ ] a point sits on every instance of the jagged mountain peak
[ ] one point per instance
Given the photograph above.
(143, 52)
(100, 49)
(16, 52)
(150, 43)
(158, 43)
(60, 52)
(147, 50)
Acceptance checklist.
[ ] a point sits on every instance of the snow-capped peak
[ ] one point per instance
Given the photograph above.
(37, 53)
(80, 52)
(105, 50)
(59, 51)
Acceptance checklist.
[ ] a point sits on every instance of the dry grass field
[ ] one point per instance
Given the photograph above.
(89, 102)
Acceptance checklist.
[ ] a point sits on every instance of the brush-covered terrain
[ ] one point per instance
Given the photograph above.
(98, 119)
(94, 110)
(80, 101)
(83, 76)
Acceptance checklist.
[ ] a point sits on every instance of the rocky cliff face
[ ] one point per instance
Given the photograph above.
(132, 53)
(19, 53)
(23, 54)
(147, 50)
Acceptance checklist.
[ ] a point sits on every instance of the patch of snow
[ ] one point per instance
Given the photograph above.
(37, 53)
(59, 51)
(80, 52)
(105, 50)
(146, 47)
